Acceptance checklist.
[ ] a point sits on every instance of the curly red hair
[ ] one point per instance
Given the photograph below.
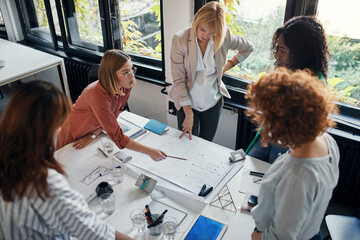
(292, 107)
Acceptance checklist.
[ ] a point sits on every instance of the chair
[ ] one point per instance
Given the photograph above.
(343, 227)
(93, 76)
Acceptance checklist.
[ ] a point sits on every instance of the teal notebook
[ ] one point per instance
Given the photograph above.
(156, 126)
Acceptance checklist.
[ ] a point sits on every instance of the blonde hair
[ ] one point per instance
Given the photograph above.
(213, 15)
(112, 61)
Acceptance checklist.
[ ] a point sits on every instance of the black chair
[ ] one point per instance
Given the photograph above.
(93, 76)
(343, 227)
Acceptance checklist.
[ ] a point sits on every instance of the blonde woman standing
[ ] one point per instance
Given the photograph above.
(198, 62)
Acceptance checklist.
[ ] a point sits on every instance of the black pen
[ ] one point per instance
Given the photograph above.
(148, 214)
(257, 174)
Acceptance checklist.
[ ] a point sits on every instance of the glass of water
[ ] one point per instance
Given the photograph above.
(108, 146)
(107, 202)
(138, 220)
(169, 227)
(117, 174)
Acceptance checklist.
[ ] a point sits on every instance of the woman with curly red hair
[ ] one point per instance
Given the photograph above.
(293, 109)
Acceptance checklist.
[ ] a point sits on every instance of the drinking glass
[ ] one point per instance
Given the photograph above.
(138, 220)
(117, 174)
(169, 227)
(107, 202)
(108, 146)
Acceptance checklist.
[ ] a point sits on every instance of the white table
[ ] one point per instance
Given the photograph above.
(129, 197)
(22, 61)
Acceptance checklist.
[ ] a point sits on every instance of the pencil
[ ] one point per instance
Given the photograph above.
(102, 152)
(176, 157)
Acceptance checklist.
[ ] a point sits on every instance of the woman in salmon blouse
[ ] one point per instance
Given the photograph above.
(100, 104)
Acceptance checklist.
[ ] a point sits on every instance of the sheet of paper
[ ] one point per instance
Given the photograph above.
(86, 172)
(251, 184)
(207, 163)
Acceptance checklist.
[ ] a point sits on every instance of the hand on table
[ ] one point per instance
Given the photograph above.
(156, 154)
(83, 142)
(187, 123)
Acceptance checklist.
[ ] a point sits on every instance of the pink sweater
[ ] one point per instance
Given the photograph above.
(95, 108)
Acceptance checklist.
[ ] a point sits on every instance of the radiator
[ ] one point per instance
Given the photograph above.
(77, 75)
(347, 191)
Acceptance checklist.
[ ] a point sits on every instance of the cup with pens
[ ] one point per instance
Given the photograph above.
(154, 221)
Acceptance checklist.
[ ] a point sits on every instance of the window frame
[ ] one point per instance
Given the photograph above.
(149, 69)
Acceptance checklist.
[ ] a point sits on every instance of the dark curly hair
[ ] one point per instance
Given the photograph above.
(306, 40)
(293, 107)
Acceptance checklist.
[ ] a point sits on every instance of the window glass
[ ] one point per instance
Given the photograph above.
(339, 21)
(88, 20)
(55, 17)
(42, 21)
(141, 28)
(1, 18)
(257, 24)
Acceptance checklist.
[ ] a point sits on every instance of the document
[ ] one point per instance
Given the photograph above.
(207, 163)
(130, 129)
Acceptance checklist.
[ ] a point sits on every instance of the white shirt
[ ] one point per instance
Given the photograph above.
(204, 93)
(61, 216)
(295, 193)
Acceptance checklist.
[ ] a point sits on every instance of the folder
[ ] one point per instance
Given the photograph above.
(156, 126)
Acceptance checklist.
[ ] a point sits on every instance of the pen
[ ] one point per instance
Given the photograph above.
(103, 174)
(148, 214)
(102, 152)
(257, 174)
(176, 157)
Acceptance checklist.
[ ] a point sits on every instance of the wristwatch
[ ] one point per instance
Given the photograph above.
(93, 136)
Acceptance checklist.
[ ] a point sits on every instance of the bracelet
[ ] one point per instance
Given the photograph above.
(232, 63)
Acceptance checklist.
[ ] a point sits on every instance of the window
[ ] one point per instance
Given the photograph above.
(87, 28)
(258, 20)
(257, 25)
(3, 33)
(344, 43)
(141, 27)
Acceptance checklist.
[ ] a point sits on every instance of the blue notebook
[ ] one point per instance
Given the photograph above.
(156, 126)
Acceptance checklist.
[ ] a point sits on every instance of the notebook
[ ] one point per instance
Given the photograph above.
(156, 126)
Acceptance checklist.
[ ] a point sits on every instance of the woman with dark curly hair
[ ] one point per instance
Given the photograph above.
(299, 44)
(294, 108)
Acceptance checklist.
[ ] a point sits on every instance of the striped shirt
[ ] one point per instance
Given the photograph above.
(65, 214)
